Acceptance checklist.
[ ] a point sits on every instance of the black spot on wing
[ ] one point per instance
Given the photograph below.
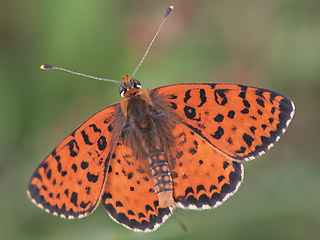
(172, 97)
(92, 178)
(203, 97)
(245, 111)
(85, 137)
(74, 167)
(102, 143)
(220, 178)
(149, 208)
(173, 105)
(110, 128)
(231, 114)
(84, 204)
(213, 187)
(187, 96)
(253, 129)
(107, 196)
(220, 96)
(218, 134)
(49, 174)
(260, 102)
(84, 165)
(225, 165)
(218, 118)
(73, 148)
(188, 190)
(271, 120)
(130, 175)
(190, 112)
(200, 187)
(242, 95)
(74, 199)
(241, 150)
(246, 103)
(248, 139)
(130, 212)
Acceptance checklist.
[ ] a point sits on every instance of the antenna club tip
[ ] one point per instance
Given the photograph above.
(45, 66)
(169, 10)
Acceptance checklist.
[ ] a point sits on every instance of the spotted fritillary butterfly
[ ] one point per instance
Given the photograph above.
(176, 146)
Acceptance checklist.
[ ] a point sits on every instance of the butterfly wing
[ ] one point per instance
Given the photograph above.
(69, 182)
(129, 196)
(242, 122)
(202, 177)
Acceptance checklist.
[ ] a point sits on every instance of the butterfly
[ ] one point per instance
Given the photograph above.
(175, 146)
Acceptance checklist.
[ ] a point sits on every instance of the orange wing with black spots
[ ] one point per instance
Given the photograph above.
(70, 181)
(203, 177)
(129, 196)
(241, 121)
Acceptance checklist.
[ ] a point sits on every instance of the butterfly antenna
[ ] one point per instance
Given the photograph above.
(169, 10)
(46, 67)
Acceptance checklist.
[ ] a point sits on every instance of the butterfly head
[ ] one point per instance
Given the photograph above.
(129, 86)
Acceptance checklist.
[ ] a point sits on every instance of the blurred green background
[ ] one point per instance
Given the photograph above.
(273, 44)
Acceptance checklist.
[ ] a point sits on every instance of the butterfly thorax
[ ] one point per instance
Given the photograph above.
(139, 111)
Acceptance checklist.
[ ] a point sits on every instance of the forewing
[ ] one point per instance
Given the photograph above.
(69, 182)
(129, 196)
(242, 122)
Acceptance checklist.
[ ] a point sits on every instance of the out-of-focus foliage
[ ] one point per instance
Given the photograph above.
(268, 43)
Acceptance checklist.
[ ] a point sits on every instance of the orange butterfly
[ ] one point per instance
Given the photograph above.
(179, 145)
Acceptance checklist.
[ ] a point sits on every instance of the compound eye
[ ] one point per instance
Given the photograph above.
(136, 83)
(122, 90)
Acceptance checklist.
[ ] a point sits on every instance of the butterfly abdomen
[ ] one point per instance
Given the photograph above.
(161, 176)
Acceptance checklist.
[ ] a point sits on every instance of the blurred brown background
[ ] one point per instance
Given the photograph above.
(273, 44)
